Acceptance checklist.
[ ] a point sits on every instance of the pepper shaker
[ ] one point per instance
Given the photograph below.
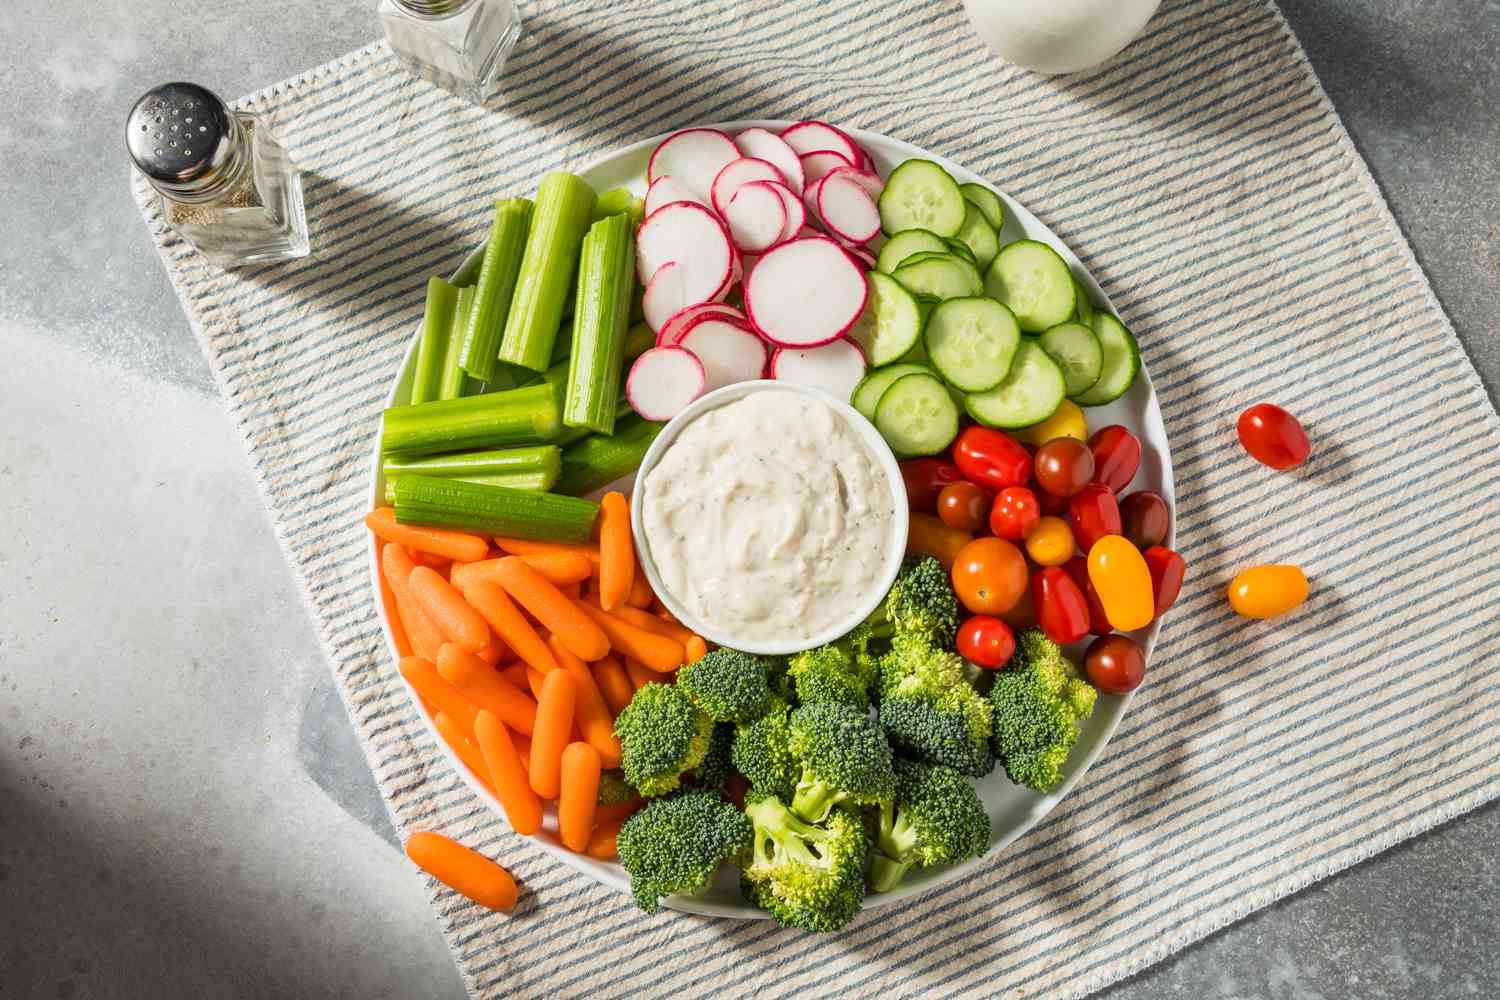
(459, 45)
(225, 183)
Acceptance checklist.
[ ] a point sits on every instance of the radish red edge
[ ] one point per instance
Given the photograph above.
(735, 175)
(663, 381)
(812, 287)
(757, 216)
(835, 367)
(673, 328)
(689, 134)
(847, 211)
(648, 263)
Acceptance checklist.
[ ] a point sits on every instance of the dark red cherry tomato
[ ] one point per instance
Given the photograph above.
(1023, 615)
(925, 479)
(1061, 610)
(1051, 503)
(1272, 436)
(1144, 519)
(1167, 570)
(1015, 512)
(963, 506)
(1115, 664)
(1078, 569)
(992, 459)
(1117, 454)
(1064, 466)
(1094, 513)
(987, 641)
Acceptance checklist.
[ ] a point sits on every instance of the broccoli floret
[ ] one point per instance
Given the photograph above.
(675, 845)
(662, 734)
(727, 685)
(936, 819)
(614, 789)
(806, 875)
(1038, 700)
(930, 710)
(921, 603)
(716, 767)
(762, 752)
(841, 671)
(845, 758)
(780, 680)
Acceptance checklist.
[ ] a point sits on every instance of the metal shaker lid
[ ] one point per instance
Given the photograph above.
(182, 137)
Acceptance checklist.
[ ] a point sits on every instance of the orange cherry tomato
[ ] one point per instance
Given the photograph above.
(963, 506)
(930, 536)
(989, 576)
(1050, 543)
(1123, 582)
(1267, 591)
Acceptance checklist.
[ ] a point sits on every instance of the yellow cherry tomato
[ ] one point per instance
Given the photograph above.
(1267, 591)
(1050, 543)
(1122, 580)
(1068, 422)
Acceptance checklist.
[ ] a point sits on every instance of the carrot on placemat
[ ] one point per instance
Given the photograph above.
(578, 796)
(512, 784)
(483, 686)
(465, 871)
(614, 684)
(695, 648)
(420, 630)
(438, 541)
(467, 752)
(590, 712)
(453, 615)
(532, 547)
(554, 726)
(658, 652)
(616, 552)
(422, 674)
(640, 675)
(491, 601)
(557, 613)
(602, 840)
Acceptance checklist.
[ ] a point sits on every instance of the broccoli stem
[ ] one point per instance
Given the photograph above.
(886, 874)
(814, 799)
(898, 838)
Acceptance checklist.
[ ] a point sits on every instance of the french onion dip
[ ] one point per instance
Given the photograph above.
(769, 518)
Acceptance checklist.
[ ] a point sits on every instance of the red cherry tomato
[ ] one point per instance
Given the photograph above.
(1272, 436)
(1167, 570)
(925, 479)
(1023, 615)
(991, 458)
(1144, 519)
(1094, 513)
(986, 641)
(1064, 466)
(1015, 512)
(1078, 569)
(1052, 505)
(989, 576)
(1061, 610)
(1115, 664)
(963, 506)
(1117, 454)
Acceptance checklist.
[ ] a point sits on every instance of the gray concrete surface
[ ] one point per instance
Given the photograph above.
(183, 810)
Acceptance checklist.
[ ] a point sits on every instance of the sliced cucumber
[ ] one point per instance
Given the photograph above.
(1077, 351)
(961, 249)
(1085, 308)
(916, 416)
(1029, 394)
(983, 242)
(904, 244)
(943, 276)
(891, 322)
(1035, 282)
(1122, 359)
(867, 394)
(987, 202)
(919, 194)
(971, 342)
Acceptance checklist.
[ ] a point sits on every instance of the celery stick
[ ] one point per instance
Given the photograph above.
(535, 482)
(532, 415)
(600, 459)
(495, 287)
(606, 281)
(451, 383)
(544, 458)
(619, 201)
(432, 348)
(492, 510)
(564, 204)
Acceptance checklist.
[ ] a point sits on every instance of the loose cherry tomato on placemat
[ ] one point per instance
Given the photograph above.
(991, 458)
(1267, 591)
(1167, 570)
(1117, 454)
(1273, 436)
(964, 506)
(1064, 466)
(1094, 513)
(1014, 513)
(1115, 664)
(925, 479)
(1061, 610)
(1144, 519)
(1050, 543)
(987, 641)
(1078, 569)
(1123, 582)
(989, 575)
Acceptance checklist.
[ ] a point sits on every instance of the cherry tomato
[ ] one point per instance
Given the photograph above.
(930, 536)
(1064, 466)
(991, 458)
(1115, 664)
(1167, 570)
(1117, 454)
(1051, 503)
(1061, 610)
(1015, 512)
(1023, 615)
(963, 506)
(1144, 519)
(1123, 582)
(1272, 436)
(1267, 591)
(989, 575)
(1078, 569)
(925, 479)
(986, 641)
(1050, 543)
(1067, 421)
(1094, 513)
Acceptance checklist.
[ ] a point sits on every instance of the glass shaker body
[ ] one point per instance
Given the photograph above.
(459, 45)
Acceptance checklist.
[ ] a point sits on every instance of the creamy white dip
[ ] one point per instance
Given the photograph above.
(769, 518)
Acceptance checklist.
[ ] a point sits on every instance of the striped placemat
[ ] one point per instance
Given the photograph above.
(1208, 183)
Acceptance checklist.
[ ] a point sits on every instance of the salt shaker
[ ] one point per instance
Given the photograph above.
(225, 183)
(459, 45)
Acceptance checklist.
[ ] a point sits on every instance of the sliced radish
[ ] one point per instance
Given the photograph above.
(846, 210)
(767, 145)
(730, 353)
(677, 324)
(665, 190)
(810, 200)
(862, 257)
(664, 295)
(816, 166)
(736, 175)
(805, 292)
(694, 157)
(663, 381)
(813, 136)
(836, 367)
(867, 179)
(756, 217)
(796, 212)
(694, 237)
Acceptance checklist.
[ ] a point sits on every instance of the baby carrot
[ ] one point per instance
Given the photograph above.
(572, 591)
(465, 751)
(617, 810)
(484, 687)
(641, 594)
(453, 615)
(589, 709)
(512, 785)
(531, 547)
(616, 551)
(665, 614)
(393, 616)
(651, 623)
(429, 560)
(449, 544)
(554, 721)
(466, 872)
(423, 634)
(559, 615)
(515, 673)
(641, 675)
(561, 567)
(602, 841)
(509, 624)
(493, 652)
(579, 794)
(656, 651)
(422, 675)
(523, 747)
(695, 648)
(613, 683)
(534, 678)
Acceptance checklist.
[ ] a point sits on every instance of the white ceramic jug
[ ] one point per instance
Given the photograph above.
(1058, 36)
